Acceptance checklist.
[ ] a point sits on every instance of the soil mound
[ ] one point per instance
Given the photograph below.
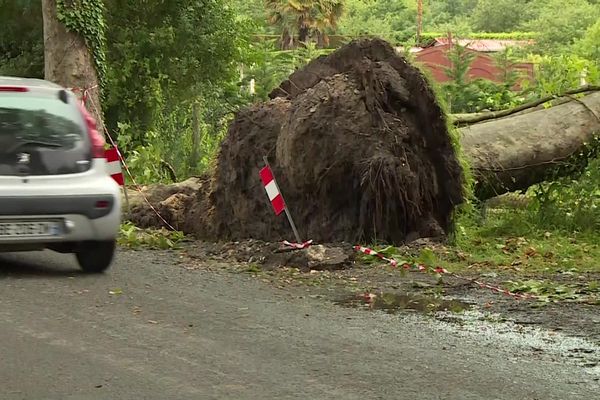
(359, 147)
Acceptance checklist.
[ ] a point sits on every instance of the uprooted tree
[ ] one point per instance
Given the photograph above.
(360, 147)
(362, 151)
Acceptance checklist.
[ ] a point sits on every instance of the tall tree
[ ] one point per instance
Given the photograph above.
(163, 54)
(560, 23)
(304, 19)
(501, 15)
(73, 47)
(589, 45)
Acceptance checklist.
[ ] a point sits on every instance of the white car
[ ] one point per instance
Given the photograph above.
(55, 191)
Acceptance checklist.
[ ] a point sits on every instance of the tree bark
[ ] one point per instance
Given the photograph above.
(520, 150)
(303, 34)
(287, 40)
(68, 61)
(196, 137)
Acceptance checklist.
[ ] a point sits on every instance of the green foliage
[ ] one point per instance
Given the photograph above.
(460, 59)
(562, 22)
(509, 239)
(500, 15)
(133, 237)
(588, 46)
(479, 95)
(304, 19)
(552, 292)
(557, 74)
(21, 38)
(467, 96)
(486, 35)
(391, 20)
(268, 67)
(165, 53)
(568, 204)
(161, 58)
(86, 17)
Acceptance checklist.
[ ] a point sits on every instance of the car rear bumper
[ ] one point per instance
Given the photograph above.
(74, 228)
(90, 206)
(87, 206)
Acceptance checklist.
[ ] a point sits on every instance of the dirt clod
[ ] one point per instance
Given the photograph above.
(328, 258)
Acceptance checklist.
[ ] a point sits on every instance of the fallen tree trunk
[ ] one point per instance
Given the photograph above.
(520, 150)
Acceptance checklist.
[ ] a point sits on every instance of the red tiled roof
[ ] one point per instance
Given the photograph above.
(484, 45)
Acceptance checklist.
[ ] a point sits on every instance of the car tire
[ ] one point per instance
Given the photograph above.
(96, 257)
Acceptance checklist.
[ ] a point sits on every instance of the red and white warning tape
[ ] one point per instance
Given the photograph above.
(298, 246)
(440, 270)
(84, 93)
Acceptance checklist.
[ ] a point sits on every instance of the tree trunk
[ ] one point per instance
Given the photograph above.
(196, 137)
(287, 40)
(520, 150)
(68, 61)
(303, 34)
(322, 40)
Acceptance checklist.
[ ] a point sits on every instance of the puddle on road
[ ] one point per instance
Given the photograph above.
(394, 302)
(465, 320)
(495, 330)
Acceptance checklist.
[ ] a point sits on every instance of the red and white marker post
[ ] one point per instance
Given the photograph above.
(276, 197)
(113, 167)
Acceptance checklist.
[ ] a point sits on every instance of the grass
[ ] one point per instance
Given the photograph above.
(556, 230)
(512, 245)
(133, 237)
(505, 240)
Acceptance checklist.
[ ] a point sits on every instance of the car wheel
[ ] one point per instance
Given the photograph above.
(96, 257)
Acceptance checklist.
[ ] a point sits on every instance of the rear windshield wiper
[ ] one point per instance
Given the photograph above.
(35, 143)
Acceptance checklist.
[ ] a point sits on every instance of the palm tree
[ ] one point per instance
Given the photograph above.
(304, 19)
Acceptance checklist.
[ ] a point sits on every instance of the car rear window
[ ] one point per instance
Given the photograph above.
(45, 120)
(42, 135)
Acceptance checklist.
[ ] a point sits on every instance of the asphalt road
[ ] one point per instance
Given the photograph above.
(168, 333)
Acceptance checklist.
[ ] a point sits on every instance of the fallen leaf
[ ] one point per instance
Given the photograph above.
(531, 252)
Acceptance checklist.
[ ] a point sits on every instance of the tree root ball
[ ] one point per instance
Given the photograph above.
(359, 147)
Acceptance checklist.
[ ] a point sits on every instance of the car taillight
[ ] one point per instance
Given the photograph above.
(96, 139)
(13, 89)
(102, 204)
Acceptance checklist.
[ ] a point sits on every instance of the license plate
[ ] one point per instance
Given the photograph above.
(29, 229)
